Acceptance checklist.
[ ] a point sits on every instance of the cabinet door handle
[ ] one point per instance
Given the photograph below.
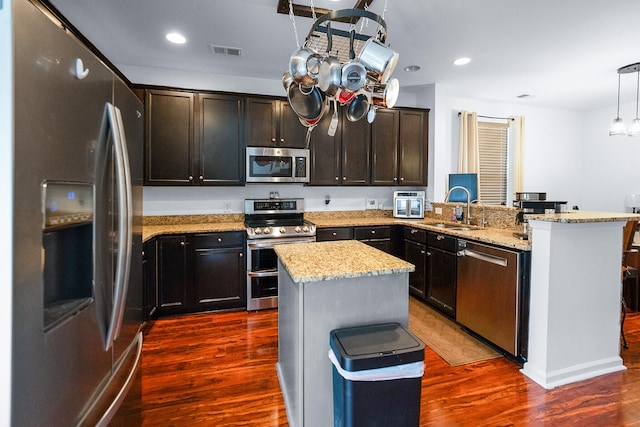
(428, 253)
(402, 179)
(334, 234)
(440, 237)
(422, 252)
(201, 178)
(337, 178)
(344, 178)
(373, 231)
(240, 254)
(183, 243)
(414, 231)
(273, 140)
(395, 179)
(190, 178)
(219, 239)
(282, 140)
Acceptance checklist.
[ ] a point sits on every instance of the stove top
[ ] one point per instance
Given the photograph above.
(276, 218)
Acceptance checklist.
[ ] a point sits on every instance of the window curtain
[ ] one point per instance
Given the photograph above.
(468, 153)
(517, 140)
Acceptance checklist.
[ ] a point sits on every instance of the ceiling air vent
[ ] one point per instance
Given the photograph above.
(224, 50)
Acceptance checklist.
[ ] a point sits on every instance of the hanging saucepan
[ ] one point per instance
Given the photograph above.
(386, 95)
(330, 69)
(354, 74)
(305, 102)
(287, 79)
(358, 108)
(298, 66)
(314, 121)
(379, 59)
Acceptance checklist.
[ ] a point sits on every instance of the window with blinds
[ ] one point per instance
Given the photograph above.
(493, 149)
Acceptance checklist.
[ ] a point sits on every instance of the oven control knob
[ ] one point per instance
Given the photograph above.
(297, 229)
(266, 230)
(283, 230)
(305, 228)
(257, 230)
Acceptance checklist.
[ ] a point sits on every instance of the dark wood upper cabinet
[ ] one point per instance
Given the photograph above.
(169, 137)
(399, 147)
(342, 159)
(194, 139)
(413, 147)
(384, 148)
(272, 123)
(221, 148)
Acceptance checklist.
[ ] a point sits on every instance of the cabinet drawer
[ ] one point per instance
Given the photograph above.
(335, 233)
(221, 239)
(442, 241)
(415, 234)
(380, 232)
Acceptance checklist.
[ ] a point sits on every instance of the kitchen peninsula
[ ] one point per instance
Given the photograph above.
(324, 286)
(574, 322)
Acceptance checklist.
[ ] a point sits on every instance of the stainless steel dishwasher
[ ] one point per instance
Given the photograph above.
(489, 293)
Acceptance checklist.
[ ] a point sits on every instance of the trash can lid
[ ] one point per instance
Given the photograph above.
(375, 346)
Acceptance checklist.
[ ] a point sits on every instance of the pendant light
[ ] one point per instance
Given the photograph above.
(617, 126)
(634, 129)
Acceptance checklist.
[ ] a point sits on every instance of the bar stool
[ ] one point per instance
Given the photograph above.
(628, 272)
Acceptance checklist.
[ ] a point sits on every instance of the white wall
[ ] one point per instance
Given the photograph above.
(553, 146)
(6, 213)
(611, 167)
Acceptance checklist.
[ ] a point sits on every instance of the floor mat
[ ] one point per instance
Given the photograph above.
(445, 337)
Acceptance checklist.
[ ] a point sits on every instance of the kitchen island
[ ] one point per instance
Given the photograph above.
(324, 286)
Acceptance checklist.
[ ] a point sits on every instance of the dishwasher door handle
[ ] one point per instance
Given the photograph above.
(483, 257)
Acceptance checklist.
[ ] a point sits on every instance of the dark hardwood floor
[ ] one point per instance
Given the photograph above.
(218, 369)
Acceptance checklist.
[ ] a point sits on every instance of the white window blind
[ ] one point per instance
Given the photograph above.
(493, 148)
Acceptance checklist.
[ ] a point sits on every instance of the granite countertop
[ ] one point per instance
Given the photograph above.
(497, 236)
(577, 217)
(150, 231)
(342, 259)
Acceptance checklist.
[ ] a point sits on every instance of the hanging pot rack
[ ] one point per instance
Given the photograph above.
(324, 34)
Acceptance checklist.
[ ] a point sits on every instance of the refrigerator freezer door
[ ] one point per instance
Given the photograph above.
(57, 373)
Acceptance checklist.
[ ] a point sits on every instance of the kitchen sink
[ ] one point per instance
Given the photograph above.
(456, 227)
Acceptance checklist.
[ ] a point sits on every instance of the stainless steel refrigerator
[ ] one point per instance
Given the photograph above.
(77, 278)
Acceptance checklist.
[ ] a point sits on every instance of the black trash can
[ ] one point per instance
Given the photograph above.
(377, 375)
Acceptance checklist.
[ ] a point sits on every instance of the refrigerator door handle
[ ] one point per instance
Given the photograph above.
(125, 223)
(111, 306)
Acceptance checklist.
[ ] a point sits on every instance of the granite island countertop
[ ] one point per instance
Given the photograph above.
(341, 259)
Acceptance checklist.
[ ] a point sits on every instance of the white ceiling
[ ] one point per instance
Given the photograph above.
(563, 53)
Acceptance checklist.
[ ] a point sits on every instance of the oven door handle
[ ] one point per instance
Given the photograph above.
(272, 243)
(266, 273)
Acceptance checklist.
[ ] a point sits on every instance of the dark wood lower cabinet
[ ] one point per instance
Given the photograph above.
(415, 252)
(172, 274)
(442, 273)
(218, 272)
(196, 272)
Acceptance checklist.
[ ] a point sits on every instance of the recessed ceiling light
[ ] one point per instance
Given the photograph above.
(412, 68)
(176, 38)
(462, 61)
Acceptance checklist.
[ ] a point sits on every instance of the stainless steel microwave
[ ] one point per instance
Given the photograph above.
(270, 164)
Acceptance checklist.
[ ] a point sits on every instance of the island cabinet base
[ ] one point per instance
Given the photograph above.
(307, 313)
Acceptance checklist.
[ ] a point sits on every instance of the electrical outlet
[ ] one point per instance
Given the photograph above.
(372, 203)
(438, 211)
(227, 207)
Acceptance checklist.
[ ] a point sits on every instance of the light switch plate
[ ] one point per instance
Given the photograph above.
(372, 203)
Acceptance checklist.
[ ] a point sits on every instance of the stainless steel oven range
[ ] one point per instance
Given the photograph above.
(271, 222)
